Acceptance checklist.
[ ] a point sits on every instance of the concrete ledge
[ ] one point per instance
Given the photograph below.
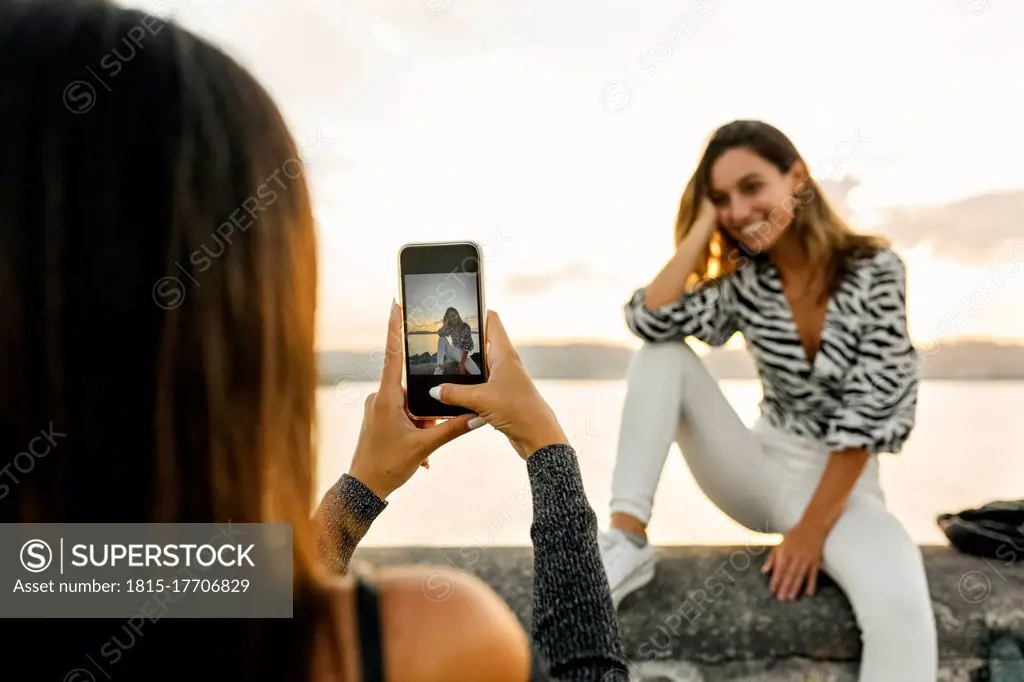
(708, 614)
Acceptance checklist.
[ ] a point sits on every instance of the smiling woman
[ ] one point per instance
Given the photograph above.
(823, 311)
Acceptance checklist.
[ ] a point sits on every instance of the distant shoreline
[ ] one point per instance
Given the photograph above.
(326, 382)
(953, 361)
(331, 381)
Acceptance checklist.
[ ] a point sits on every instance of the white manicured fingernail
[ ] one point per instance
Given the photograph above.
(476, 422)
(435, 392)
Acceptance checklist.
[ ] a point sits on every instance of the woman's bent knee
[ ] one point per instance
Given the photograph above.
(665, 357)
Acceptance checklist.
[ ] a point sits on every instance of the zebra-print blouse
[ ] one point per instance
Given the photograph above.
(860, 391)
(462, 337)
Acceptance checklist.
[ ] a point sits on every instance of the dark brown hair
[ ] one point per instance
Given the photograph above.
(825, 235)
(157, 296)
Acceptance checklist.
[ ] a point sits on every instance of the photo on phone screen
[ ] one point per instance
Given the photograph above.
(444, 337)
(442, 305)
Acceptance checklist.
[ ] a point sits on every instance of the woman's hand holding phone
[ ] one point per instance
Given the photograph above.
(509, 401)
(392, 446)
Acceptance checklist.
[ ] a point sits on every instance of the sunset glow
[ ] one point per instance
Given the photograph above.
(560, 135)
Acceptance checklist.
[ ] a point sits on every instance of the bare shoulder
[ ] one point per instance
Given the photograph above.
(444, 624)
(439, 623)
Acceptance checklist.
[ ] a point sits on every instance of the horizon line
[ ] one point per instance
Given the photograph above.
(598, 343)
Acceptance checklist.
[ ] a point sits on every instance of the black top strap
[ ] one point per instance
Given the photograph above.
(368, 618)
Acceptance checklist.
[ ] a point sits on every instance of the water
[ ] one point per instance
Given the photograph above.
(967, 449)
(427, 343)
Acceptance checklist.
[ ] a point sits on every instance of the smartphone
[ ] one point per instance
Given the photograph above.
(443, 309)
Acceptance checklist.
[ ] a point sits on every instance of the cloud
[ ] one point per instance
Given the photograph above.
(977, 231)
(576, 272)
(973, 231)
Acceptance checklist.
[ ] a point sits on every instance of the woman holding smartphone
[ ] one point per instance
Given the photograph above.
(575, 632)
(185, 395)
(822, 310)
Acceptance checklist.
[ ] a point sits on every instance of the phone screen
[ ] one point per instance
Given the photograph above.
(443, 309)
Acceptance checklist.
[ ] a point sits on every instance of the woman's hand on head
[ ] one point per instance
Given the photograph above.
(508, 400)
(392, 446)
(707, 216)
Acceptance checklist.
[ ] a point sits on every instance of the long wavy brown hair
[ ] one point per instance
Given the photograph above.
(459, 322)
(825, 236)
(157, 295)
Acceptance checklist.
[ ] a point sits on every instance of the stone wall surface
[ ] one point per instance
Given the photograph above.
(708, 614)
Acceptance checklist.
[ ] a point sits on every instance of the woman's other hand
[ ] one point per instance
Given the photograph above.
(707, 216)
(706, 222)
(796, 560)
(392, 446)
(508, 400)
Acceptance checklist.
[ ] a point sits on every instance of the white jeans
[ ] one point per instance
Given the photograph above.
(763, 479)
(447, 352)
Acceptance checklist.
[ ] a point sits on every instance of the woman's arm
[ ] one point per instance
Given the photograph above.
(390, 449)
(877, 415)
(464, 339)
(880, 389)
(708, 313)
(841, 473)
(670, 283)
(879, 397)
(575, 632)
(344, 515)
(671, 309)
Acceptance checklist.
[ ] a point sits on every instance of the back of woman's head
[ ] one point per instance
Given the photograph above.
(158, 273)
(157, 279)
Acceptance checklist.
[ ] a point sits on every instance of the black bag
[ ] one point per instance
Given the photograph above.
(995, 530)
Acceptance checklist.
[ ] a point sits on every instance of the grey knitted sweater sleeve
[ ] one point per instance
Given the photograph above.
(344, 515)
(575, 636)
(575, 632)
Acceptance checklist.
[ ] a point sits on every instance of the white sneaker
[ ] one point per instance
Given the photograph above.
(627, 566)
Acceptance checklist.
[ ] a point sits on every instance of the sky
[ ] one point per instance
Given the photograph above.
(428, 297)
(559, 135)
